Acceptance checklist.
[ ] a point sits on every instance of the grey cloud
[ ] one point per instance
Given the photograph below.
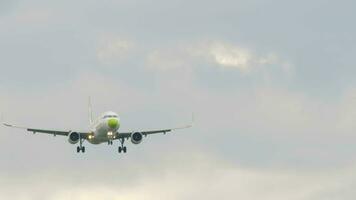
(220, 54)
(181, 176)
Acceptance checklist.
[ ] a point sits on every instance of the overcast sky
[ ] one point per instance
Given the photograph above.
(272, 85)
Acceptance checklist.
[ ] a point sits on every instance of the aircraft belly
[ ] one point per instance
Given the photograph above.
(101, 134)
(97, 140)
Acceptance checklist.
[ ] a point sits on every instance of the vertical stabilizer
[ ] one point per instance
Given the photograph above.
(90, 111)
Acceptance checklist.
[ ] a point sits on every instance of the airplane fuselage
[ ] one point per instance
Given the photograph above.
(105, 128)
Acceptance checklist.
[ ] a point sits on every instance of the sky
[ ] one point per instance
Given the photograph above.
(271, 84)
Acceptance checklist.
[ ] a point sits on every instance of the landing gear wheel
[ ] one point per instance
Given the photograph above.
(120, 149)
(80, 148)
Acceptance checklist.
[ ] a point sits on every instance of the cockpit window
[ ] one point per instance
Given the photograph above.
(110, 116)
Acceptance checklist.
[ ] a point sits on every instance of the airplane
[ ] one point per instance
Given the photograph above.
(105, 129)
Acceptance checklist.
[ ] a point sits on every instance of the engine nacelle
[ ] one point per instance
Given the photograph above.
(136, 137)
(73, 137)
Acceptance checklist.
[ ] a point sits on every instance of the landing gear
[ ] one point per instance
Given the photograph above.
(122, 148)
(110, 142)
(81, 148)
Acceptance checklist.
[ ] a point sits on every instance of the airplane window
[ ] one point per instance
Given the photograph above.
(109, 116)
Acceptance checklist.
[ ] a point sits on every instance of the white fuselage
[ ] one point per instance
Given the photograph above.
(105, 128)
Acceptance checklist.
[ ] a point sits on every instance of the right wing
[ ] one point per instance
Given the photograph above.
(52, 132)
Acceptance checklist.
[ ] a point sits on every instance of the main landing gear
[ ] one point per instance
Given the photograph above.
(122, 148)
(81, 148)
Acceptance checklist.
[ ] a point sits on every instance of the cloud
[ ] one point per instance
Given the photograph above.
(113, 49)
(276, 124)
(180, 176)
(34, 16)
(167, 59)
(217, 53)
(346, 113)
(25, 15)
(275, 110)
(231, 57)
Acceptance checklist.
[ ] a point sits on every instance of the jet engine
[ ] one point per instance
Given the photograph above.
(73, 137)
(136, 137)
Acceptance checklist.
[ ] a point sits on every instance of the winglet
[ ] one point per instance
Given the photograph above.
(12, 125)
(6, 124)
(186, 126)
(191, 122)
(2, 120)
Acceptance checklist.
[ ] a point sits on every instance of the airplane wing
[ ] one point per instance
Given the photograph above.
(46, 131)
(128, 134)
(149, 132)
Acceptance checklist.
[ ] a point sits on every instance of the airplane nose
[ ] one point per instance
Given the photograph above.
(113, 123)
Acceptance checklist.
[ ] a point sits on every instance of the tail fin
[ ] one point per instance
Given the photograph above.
(90, 111)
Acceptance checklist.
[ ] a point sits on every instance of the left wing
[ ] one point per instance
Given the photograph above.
(149, 132)
(52, 132)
